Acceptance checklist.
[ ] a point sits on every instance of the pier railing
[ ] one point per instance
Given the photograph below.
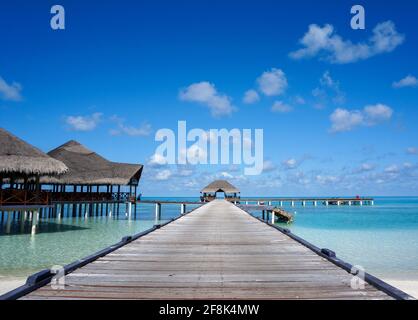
(13, 197)
(92, 197)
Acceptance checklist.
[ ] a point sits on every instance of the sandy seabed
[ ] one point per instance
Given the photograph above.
(8, 284)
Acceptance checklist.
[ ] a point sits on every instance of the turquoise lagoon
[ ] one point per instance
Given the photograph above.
(382, 238)
(59, 242)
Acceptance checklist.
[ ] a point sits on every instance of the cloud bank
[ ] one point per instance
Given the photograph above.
(325, 43)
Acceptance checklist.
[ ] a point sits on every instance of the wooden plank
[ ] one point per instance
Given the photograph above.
(216, 252)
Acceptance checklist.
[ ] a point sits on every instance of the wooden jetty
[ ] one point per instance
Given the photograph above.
(270, 213)
(336, 201)
(217, 251)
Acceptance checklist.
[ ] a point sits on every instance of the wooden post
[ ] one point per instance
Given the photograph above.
(34, 222)
(292, 203)
(269, 203)
(9, 222)
(281, 203)
(22, 221)
(263, 215)
(157, 212)
(272, 217)
(183, 208)
(315, 203)
(87, 208)
(129, 204)
(303, 203)
(326, 203)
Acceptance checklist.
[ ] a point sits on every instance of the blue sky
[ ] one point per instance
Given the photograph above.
(337, 105)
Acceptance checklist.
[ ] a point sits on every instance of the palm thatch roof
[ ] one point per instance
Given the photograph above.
(19, 158)
(86, 167)
(220, 186)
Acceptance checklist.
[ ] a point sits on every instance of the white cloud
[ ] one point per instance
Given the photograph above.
(226, 175)
(329, 45)
(251, 96)
(290, 163)
(299, 100)
(11, 92)
(157, 160)
(205, 93)
(273, 82)
(84, 123)
(327, 179)
(377, 113)
(195, 154)
(408, 81)
(364, 167)
(412, 150)
(163, 175)
(279, 106)
(268, 166)
(367, 167)
(328, 88)
(143, 130)
(346, 120)
(392, 169)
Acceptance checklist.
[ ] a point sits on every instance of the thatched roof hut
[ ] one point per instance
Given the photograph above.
(18, 159)
(220, 186)
(86, 167)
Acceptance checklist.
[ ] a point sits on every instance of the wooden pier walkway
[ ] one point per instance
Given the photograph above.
(218, 251)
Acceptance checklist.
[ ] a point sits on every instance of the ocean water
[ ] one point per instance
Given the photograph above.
(59, 242)
(383, 238)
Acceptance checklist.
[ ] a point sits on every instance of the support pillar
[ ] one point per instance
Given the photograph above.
(129, 204)
(59, 209)
(183, 208)
(9, 222)
(35, 222)
(157, 212)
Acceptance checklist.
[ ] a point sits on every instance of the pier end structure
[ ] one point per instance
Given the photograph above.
(223, 187)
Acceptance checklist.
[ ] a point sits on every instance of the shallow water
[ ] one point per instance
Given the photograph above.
(59, 242)
(383, 238)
